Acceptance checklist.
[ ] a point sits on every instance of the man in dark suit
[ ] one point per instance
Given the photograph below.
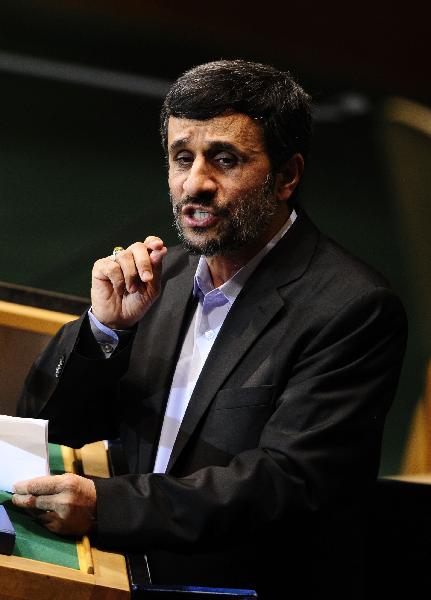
(248, 373)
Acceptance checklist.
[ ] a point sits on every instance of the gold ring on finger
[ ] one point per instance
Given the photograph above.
(115, 251)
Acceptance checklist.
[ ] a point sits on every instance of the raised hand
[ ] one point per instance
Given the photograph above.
(123, 289)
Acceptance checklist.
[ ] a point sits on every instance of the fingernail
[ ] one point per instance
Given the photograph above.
(146, 276)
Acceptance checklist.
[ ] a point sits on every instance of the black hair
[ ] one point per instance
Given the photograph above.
(272, 97)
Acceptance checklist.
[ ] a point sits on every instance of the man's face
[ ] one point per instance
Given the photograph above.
(220, 181)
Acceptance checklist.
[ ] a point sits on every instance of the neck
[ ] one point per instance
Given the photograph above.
(223, 268)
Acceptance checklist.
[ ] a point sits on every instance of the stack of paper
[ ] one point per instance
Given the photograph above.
(23, 450)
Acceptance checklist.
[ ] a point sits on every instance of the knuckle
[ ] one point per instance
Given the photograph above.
(27, 502)
(97, 264)
(112, 266)
(151, 238)
(101, 264)
(68, 480)
(42, 503)
(37, 502)
(116, 274)
(135, 245)
(62, 507)
(122, 255)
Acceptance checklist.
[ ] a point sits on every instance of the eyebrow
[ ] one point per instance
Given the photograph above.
(178, 143)
(220, 146)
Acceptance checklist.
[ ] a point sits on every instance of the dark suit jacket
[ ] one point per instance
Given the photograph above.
(283, 431)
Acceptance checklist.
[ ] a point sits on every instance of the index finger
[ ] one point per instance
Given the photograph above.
(153, 242)
(157, 251)
(49, 484)
(141, 253)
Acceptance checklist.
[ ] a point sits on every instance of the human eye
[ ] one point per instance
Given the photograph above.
(183, 159)
(226, 160)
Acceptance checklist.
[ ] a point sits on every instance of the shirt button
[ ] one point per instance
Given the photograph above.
(209, 334)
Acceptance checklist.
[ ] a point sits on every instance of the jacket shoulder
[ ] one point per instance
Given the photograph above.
(343, 270)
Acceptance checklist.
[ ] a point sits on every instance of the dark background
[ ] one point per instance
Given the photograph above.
(82, 170)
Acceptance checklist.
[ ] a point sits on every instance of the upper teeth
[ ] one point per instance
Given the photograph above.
(200, 214)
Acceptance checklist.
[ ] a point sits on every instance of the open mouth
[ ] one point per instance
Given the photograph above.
(198, 216)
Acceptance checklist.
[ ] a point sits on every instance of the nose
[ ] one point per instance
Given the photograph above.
(199, 179)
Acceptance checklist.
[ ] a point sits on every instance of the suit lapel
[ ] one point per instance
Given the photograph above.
(240, 329)
(255, 307)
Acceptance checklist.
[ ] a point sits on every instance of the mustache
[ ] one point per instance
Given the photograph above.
(205, 200)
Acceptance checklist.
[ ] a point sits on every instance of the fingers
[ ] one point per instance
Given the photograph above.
(135, 260)
(34, 503)
(24, 501)
(148, 257)
(63, 503)
(51, 484)
(124, 289)
(138, 264)
(125, 268)
(156, 257)
(41, 492)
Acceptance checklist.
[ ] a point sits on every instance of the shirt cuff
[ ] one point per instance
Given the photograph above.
(108, 339)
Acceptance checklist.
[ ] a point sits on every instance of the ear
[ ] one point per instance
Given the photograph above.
(288, 177)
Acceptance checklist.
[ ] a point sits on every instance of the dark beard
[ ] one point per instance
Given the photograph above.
(249, 218)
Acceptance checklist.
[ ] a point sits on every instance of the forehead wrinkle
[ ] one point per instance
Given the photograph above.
(237, 129)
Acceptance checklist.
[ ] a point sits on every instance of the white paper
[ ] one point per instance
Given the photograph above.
(23, 450)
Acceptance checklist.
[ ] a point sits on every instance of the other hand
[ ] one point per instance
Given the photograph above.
(124, 289)
(65, 504)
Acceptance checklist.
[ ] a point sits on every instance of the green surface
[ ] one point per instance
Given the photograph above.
(33, 540)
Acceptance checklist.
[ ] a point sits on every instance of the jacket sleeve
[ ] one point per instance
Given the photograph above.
(73, 386)
(320, 447)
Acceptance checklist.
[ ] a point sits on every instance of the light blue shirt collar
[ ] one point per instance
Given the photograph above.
(203, 285)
